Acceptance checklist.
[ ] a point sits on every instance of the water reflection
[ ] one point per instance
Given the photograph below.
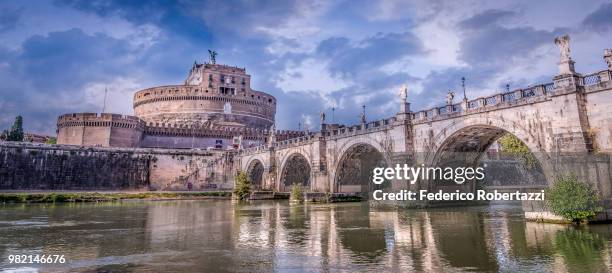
(218, 236)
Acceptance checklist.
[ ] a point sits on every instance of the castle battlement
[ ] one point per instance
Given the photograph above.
(99, 120)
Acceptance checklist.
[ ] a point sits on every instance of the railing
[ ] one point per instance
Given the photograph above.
(472, 104)
(493, 100)
(530, 92)
(509, 96)
(549, 87)
(457, 108)
(592, 79)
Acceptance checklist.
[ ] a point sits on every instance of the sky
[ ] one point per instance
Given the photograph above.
(58, 56)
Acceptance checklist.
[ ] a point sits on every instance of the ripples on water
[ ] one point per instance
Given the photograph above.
(218, 236)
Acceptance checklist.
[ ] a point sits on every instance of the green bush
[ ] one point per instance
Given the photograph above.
(243, 186)
(512, 145)
(572, 199)
(297, 192)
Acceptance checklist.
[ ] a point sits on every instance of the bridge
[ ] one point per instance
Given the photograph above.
(566, 124)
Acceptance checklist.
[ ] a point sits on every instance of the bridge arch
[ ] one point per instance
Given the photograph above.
(354, 167)
(295, 170)
(255, 173)
(465, 142)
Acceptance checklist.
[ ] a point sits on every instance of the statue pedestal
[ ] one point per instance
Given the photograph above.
(567, 67)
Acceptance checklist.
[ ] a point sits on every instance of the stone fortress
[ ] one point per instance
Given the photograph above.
(566, 123)
(214, 108)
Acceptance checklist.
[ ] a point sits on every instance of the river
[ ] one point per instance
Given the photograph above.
(266, 236)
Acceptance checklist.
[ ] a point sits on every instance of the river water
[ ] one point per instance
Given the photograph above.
(266, 236)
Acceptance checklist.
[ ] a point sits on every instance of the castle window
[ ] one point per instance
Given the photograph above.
(270, 100)
(222, 79)
(243, 81)
(227, 90)
(210, 77)
(233, 80)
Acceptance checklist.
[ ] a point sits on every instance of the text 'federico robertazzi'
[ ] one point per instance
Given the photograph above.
(458, 175)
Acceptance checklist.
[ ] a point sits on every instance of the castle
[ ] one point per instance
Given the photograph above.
(214, 108)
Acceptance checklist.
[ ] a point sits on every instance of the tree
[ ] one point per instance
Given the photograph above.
(514, 146)
(297, 193)
(16, 132)
(51, 140)
(243, 186)
(573, 200)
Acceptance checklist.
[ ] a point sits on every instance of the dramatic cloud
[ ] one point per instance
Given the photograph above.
(59, 56)
(600, 20)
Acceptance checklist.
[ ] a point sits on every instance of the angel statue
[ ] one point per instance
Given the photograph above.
(322, 115)
(272, 135)
(403, 92)
(449, 97)
(213, 56)
(564, 48)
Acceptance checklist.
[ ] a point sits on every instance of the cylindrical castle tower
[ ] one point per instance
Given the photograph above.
(213, 94)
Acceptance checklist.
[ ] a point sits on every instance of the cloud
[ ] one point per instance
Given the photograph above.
(57, 56)
(349, 60)
(600, 20)
(487, 42)
(47, 76)
(9, 18)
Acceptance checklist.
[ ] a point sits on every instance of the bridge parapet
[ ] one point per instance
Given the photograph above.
(591, 82)
(596, 81)
(373, 126)
(298, 141)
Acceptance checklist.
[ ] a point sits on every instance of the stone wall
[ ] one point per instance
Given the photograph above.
(26, 166)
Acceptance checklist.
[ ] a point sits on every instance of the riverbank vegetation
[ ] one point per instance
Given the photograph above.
(513, 146)
(572, 199)
(242, 191)
(52, 197)
(297, 193)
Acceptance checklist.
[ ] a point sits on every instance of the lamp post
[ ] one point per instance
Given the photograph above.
(463, 86)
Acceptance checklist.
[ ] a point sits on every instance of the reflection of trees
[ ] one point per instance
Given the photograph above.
(366, 243)
(460, 237)
(296, 225)
(581, 249)
(531, 239)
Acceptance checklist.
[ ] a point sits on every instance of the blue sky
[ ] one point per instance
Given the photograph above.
(57, 56)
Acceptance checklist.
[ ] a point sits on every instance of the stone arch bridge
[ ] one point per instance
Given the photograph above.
(567, 125)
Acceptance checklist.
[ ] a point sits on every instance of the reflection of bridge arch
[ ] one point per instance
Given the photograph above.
(255, 172)
(353, 171)
(462, 144)
(295, 170)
